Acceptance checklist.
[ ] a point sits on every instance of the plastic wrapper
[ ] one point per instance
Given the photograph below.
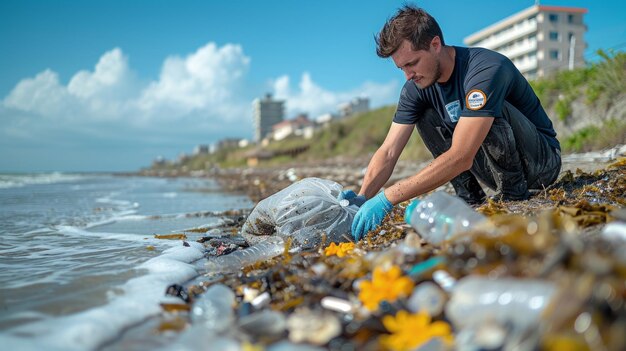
(304, 211)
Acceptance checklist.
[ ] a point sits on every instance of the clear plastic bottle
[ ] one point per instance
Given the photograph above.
(262, 251)
(214, 308)
(439, 216)
(477, 299)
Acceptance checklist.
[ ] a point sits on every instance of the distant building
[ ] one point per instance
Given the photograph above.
(324, 120)
(159, 161)
(357, 105)
(539, 40)
(253, 157)
(267, 112)
(299, 126)
(201, 149)
(228, 143)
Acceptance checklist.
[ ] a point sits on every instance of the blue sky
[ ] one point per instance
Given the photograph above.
(110, 85)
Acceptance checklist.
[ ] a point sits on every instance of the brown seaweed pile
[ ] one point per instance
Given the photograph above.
(366, 298)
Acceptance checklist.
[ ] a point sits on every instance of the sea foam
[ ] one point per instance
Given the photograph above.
(93, 328)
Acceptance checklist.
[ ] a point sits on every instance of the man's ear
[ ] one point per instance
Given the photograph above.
(435, 43)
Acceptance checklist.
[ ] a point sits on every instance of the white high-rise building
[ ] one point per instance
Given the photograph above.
(539, 40)
(267, 112)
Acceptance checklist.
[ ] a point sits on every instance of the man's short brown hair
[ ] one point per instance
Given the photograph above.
(409, 23)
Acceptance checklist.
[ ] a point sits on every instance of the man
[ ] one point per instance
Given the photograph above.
(476, 114)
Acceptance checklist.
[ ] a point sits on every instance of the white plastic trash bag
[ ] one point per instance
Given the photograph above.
(303, 211)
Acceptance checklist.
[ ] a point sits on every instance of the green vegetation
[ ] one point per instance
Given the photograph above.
(359, 136)
(356, 137)
(600, 83)
(593, 138)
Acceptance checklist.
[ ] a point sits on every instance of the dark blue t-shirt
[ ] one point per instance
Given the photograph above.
(480, 83)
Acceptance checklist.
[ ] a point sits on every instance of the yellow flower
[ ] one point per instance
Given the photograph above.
(409, 331)
(385, 286)
(246, 346)
(340, 250)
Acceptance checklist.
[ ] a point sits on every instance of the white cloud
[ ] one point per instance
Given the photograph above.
(42, 94)
(315, 100)
(206, 80)
(201, 87)
(111, 78)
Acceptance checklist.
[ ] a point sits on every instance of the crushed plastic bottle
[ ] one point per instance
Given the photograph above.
(476, 300)
(262, 251)
(214, 308)
(439, 216)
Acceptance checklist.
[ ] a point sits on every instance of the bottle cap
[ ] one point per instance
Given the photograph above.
(409, 210)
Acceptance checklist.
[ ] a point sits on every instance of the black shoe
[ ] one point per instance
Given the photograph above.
(467, 188)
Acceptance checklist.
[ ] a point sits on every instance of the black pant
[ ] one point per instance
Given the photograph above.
(513, 158)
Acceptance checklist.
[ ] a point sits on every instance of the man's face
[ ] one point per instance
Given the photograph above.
(421, 66)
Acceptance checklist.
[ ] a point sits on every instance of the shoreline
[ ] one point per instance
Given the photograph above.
(259, 183)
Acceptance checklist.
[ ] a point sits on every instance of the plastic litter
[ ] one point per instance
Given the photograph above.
(234, 261)
(336, 304)
(615, 231)
(264, 323)
(304, 211)
(439, 216)
(314, 327)
(444, 279)
(477, 299)
(428, 297)
(261, 301)
(214, 308)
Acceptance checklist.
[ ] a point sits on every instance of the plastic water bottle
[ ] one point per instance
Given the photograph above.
(439, 216)
(477, 299)
(214, 308)
(270, 248)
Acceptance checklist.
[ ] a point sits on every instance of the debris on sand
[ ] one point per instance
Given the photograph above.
(547, 280)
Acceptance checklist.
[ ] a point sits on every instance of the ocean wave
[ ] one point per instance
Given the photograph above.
(20, 180)
(92, 328)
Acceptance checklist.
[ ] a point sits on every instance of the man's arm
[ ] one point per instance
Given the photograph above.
(468, 136)
(384, 160)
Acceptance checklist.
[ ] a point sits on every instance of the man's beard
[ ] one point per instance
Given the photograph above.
(436, 76)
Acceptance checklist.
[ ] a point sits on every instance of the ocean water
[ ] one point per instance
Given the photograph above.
(76, 264)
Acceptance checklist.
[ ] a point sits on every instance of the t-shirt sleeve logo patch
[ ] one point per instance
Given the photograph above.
(475, 99)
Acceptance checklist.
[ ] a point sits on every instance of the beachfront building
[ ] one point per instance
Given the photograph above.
(356, 105)
(267, 112)
(300, 126)
(540, 40)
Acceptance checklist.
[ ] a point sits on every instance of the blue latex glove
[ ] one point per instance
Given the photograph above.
(370, 215)
(352, 197)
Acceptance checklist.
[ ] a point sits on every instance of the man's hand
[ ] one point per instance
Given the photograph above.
(370, 215)
(352, 197)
